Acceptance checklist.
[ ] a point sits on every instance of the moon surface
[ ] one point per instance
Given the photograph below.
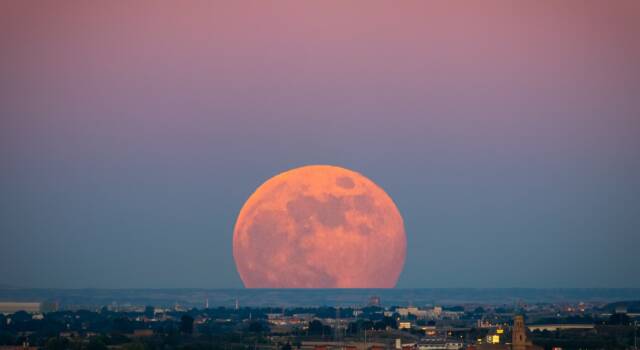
(319, 226)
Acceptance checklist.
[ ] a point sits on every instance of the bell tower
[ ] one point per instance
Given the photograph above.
(519, 334)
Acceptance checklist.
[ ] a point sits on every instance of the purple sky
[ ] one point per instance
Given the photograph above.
(508, 133)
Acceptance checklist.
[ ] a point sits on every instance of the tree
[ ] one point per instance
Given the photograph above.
(386, 322)
(123, 325)
(57, 344)
(257, 327)
(7, 338)
(455, 308)
(379, 326)
(286, 346)
(619, 319)
(21, 316)
(96, 344)
(186, 324)
(134, 346)
(359, 326)
(317, 328)
(353, 328)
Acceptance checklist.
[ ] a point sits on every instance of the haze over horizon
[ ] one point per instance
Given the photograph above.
(131, 134)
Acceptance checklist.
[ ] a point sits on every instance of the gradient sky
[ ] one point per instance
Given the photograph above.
(508, 134)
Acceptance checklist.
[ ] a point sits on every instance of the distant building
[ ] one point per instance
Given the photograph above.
(495, 336)
(556, 327)
(519, 339)
(332, 345)
(12, 307)
(404, 325)
(141, 333)
(374, 301)
(439, 344)
(411, 310)
(429, 330)
(622, 309)
(437, 311)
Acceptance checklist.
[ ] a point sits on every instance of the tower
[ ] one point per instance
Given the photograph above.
(519, 334)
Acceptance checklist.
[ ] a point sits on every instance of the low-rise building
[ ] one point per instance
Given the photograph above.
(439, 344)
(11, 307)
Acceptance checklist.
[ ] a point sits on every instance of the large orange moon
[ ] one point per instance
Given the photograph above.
(319, 226)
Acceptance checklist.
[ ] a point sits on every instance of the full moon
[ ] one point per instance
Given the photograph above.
(319, 226)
